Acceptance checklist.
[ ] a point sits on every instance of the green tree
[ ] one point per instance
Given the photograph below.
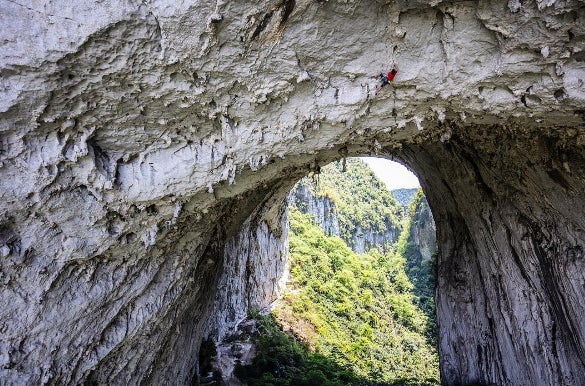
(362, 307)
(356, 319)
(360, 198)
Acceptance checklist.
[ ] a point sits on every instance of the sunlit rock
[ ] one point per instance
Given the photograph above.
(146, 148)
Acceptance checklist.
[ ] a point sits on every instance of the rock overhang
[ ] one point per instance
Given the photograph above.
(202, 110)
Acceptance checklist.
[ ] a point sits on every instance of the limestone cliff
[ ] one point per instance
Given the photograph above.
(347, 200)
(322, 208)
(422, 229)
(138, 138)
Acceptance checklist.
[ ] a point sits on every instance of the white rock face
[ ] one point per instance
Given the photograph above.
(423, 231)
(322, 209)
(136, 138)
(254, 272)
(324, 212)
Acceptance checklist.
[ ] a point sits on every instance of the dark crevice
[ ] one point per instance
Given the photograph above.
(287, 9)
(472, 160)
(262, 26)
(579, 56)
(571, 35)
(558, 178)
(101, 159)
(560, 94)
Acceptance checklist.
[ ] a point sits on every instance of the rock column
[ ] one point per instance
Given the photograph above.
(511, 231)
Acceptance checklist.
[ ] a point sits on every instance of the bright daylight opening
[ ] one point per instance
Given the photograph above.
(393, 174)
(359, 304)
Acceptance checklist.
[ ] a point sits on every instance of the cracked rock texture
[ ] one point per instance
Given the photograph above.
(423, 232)
(146, 148)
(325, 214)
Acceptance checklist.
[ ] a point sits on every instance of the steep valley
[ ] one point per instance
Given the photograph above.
(350, 317)
(148, 147)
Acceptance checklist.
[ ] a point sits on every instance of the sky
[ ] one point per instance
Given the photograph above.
(394, 175)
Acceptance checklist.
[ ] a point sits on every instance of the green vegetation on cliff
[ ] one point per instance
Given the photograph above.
(420, 271)
(351, 319)
(284, 360)
(357, 309)
(355, 314)
(360, 198)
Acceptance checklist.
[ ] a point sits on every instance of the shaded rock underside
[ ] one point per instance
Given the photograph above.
(146, 150)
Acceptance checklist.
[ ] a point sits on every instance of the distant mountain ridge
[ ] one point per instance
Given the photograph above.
(404, 196)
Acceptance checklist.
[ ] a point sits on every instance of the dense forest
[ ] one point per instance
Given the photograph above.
(351, 318)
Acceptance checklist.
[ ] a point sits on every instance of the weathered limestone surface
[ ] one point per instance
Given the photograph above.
(324, 211)
(511, 271)
(255, 268)
(138, 139)
(423, 231)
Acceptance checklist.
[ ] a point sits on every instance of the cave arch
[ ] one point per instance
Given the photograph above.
(510, 265)
(510, 251)
(141, 164)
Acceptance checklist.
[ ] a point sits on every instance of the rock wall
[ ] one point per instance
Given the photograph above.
(254, 272)
(365, 239)
(422, 232)
(136, 138)
(510, 267)
(322, 208)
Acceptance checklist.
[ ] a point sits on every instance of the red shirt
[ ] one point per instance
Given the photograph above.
(391, 75)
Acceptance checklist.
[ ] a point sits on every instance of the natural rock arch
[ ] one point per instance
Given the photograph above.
(511, 256)
(507, 276)
(145, 150)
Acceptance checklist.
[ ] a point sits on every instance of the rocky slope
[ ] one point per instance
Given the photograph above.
(347, 200)
(138, 139)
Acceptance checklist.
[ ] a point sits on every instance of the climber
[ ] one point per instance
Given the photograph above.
(385, 79)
